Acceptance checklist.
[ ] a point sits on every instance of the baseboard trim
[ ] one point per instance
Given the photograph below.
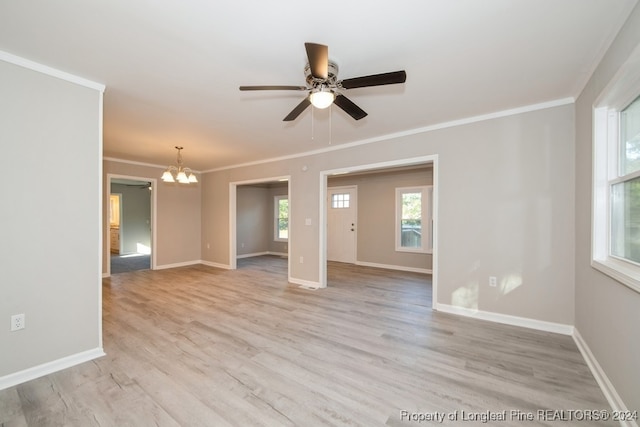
(178, 264)
(252, 255)
(49, 368)
(506, 319)
(603, 381)
(308, 284)
(215, 264)
(394, 267)
(281, 254)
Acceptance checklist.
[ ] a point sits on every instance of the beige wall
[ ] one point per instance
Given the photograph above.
(506, 208)
(377, 216)
(253, 216)
(50, 130)
(178, 215)
(255, 219)
(607, 312)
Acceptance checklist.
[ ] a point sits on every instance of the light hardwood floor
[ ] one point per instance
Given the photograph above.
(200, 346)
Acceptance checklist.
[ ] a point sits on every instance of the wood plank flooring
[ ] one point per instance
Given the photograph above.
(200, 346)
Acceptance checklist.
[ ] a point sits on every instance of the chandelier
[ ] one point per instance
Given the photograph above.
(179, 173)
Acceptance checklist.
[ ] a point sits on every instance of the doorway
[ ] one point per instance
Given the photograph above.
(131, 224)
(341, 224)
(324, 208)
(242, 206)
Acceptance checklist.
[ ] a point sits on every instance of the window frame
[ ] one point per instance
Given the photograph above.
(426, 242)
(276, 216)
(607, 173)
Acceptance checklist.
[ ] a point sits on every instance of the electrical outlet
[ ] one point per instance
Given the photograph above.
(17, 322)
(301, 260)
(493, 281)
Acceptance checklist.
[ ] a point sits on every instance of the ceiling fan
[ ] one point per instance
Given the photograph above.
(324, 88)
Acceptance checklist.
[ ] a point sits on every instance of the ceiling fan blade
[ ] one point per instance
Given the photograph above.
(375, 80)
(349, 107)
(298, 110)
(318, 55)
(273, 88)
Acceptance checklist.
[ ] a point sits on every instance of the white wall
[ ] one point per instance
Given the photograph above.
(50, 130)
(506, 209)
(607, 313)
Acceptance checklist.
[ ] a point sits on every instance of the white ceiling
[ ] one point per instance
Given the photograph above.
(172, 68)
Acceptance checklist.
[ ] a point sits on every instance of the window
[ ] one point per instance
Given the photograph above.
(413, 219)
(281, 204)
(340, 201)
(616, 219)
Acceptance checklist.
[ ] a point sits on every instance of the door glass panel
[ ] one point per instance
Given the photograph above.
(340, 201)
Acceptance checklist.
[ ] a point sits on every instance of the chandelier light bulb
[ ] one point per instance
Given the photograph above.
(179, 173)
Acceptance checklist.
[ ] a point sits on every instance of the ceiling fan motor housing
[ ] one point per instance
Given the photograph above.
(331, 80)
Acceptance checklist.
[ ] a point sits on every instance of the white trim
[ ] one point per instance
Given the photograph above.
(621, 90)
(425, 218)
(53, 72)
(276, 217)
(215, 265)
(49, 367)
(150, 165)
(410, 132)
(255, 254)
(394, 267)
(280, 254)
(525, 322)
(178, 264)
(620, 271)
(307, 284)
(100, 214)
(603, 381)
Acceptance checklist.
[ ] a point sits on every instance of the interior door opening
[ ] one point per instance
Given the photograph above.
(130, 224)
(375, 228)
(257, 226)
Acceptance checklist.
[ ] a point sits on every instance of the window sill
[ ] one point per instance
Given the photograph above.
(415, 251)
(619, 271)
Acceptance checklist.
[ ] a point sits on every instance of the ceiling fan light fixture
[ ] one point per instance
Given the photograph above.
(322, 98)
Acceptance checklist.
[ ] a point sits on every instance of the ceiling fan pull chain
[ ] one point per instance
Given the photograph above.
(330, 123)
(312, 128)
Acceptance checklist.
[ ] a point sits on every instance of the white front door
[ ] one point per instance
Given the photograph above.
(341, 224)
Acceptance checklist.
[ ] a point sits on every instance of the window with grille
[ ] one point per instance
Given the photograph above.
(413, 219)
(281, 204)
